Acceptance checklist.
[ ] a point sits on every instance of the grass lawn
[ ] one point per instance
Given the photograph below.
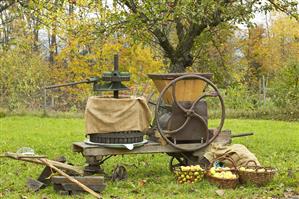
(275, 143)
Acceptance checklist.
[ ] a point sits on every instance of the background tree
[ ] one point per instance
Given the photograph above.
(153, 21)
(77, 39)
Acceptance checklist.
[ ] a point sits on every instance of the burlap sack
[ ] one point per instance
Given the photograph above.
(105, 115)
(238, 152)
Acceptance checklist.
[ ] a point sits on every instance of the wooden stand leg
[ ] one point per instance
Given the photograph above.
(93, 165)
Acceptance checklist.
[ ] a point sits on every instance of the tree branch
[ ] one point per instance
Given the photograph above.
(179, 29)
(6, 6)
(282, 9)
(161, 37)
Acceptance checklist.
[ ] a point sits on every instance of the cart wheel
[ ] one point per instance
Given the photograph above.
(176, 162)
(190, 112)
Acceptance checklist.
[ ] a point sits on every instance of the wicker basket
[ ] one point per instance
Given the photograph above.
(257, 176)
(224, 183)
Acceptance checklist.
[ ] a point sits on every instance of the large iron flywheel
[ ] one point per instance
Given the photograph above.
(189, 113)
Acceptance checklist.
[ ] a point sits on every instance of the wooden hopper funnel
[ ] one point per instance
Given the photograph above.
(185, 90)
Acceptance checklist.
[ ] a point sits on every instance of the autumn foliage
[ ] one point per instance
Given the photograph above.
(52, 42)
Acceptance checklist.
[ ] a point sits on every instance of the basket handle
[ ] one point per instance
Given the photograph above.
(258, 167)
(255, 164)
(225, 157)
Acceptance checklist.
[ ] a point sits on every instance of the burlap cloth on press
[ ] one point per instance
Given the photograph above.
(105, 115)
(237, 152)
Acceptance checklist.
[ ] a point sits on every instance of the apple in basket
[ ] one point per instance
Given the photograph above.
(222, 174)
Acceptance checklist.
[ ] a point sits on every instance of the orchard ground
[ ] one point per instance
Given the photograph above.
(275, 143)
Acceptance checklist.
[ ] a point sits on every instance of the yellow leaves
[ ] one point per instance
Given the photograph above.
(82, 58)
(270, 49)
(285, 27)
(281, 44)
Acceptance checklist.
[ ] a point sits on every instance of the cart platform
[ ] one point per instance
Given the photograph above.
(150, 147)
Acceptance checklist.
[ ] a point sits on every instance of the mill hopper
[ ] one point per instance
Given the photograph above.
(184, 89)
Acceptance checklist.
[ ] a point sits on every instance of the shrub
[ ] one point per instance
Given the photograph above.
(23, 74)
(239, 97)
(285, 87)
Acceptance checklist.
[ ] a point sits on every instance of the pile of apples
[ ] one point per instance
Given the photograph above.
(261, 170)
(222, 173)
(189, 174)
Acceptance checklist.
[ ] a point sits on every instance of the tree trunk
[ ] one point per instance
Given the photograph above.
(53, 45)
(180, 62)
(35, 37)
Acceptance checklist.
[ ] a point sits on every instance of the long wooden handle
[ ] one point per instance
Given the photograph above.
(71, 178)
(38, 161)
(241, 135)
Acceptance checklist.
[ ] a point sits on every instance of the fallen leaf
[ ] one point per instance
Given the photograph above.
(220, 192)
(142, 183)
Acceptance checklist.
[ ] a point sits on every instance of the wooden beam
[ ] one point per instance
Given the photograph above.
(71, 179)
(94, 150)
(32, 159)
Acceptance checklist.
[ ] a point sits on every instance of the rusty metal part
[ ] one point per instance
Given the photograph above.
(125, 137)
(92, 169)
(194, 131)
(176, 162)
(114, 78)
(189, 112)
(69, 84)
(119, 173)
(93, 165)
(225, 137)
(34, 185)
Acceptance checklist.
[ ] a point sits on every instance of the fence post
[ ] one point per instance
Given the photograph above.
(264, 89)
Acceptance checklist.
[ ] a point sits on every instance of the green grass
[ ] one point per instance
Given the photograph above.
(275, 143)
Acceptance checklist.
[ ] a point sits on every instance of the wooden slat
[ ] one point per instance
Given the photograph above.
(74, 187)
(92, 150)
(77, 148)
(85, 180)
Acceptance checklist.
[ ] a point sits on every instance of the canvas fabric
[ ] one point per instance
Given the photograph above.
(105, 115)
(237, 152)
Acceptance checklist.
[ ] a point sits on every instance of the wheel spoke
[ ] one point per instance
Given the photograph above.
(178, 129)
(210, 94)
